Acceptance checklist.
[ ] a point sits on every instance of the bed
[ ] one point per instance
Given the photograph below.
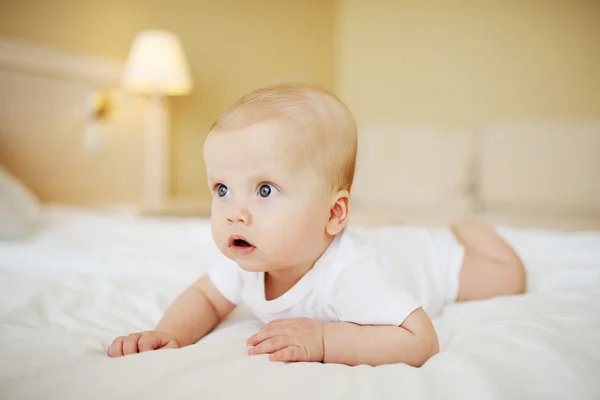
(88, 276)
(86, 272)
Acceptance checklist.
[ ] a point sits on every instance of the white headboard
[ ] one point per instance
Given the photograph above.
(45, 124)
(527, 174)
(530, 174)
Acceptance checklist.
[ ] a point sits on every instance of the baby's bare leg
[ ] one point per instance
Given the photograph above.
(490, 267)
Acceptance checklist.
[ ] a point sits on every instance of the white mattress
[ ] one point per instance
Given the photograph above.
(88, 277)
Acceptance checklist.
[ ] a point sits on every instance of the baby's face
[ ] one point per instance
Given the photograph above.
(270, 208)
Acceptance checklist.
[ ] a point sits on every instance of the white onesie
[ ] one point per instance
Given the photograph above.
(350, 282)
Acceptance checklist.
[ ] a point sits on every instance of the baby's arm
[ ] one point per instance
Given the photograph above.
(196, 312)
(304, 339)
(413, 342)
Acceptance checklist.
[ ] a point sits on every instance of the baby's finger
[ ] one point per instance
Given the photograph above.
(290, 353)
(270, 345)
(276, 324)
(258, 337)
(130, 345)
(171, 344)
(264, 334)
(148, 342)
(116, 347)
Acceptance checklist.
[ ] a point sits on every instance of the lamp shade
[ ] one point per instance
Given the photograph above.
(157, 64)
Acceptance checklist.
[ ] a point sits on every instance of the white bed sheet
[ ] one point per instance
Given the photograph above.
(88, 277)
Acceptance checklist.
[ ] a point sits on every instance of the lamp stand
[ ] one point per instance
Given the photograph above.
(156, 160)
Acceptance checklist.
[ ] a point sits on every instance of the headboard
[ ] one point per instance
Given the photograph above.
(530, 174)
(541, 174)
(51, 140)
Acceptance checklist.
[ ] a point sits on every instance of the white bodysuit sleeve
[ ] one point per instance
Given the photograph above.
(363, 292)
(228, 278)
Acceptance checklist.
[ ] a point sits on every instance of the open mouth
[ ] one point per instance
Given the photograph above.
(240, 245)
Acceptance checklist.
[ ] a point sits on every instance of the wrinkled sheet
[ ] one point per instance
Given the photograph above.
(87, 277)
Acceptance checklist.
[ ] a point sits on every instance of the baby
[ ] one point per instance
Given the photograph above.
(280, 164)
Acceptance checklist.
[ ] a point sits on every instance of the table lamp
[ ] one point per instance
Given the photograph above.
(156, 66)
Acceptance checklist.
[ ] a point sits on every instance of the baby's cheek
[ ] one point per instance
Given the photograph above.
(279, 237)
(219, 234)
(290, 227)
(293, 245)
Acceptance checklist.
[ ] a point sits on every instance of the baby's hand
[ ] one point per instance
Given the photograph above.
(142, 341)
(297, 339)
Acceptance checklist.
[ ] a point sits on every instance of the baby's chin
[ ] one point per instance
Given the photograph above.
(253, 268)
(252, 265)
(257, 264)
(255, 260)
(251, 262)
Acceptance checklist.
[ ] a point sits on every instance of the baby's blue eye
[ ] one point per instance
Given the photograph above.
(266, 190)
(222, 190)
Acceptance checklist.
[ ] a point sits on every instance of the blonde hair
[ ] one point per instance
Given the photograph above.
(332, 135)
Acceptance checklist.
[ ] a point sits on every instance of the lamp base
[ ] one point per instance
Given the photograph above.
(156, 168)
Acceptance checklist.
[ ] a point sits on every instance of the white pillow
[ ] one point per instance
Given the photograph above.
(19, 208)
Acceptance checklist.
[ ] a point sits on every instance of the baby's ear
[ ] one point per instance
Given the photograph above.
(338, 213)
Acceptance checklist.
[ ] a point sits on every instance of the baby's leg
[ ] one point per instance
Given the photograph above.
(490, 266)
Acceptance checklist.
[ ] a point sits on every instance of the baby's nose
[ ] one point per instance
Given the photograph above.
(242, 215)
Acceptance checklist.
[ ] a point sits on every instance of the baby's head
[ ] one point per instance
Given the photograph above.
(280, 164)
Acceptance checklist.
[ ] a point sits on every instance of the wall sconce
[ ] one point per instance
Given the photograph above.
(98, 105)
(98, 110)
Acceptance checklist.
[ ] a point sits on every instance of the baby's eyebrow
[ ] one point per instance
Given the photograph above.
(251, 177)
(211, 179)
(262, 177)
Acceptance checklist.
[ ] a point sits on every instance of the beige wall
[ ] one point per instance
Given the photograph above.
(464, 63)
(458, 64)
(232, 46)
